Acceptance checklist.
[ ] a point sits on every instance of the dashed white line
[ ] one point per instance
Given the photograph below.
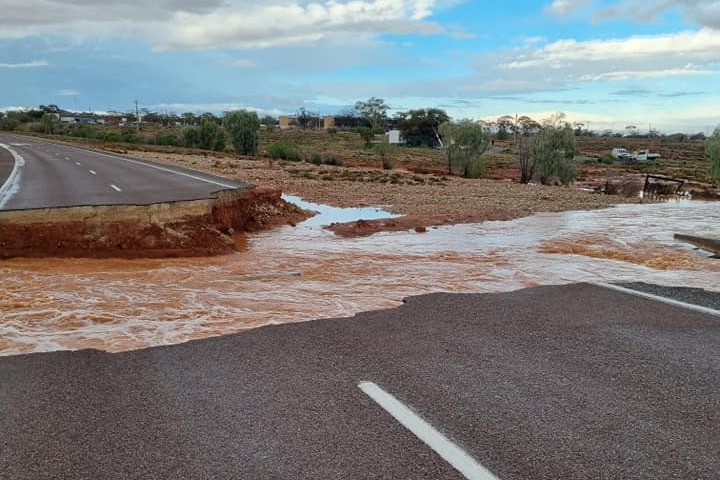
(454, 455)
(163, 169)
(77, 163)
(93, 172)
(114, 187)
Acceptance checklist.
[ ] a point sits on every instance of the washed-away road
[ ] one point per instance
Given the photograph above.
(571, 382)
(35, 173)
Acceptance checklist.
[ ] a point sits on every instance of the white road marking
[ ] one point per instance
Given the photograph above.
(115, 188)
(454, 455)
(92, 172)
(77, 163)
(67, 158)
(12, 182)
(658, 298)
(157, 167)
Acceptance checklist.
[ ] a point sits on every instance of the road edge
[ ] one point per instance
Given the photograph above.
(11, 184)
(650, 296)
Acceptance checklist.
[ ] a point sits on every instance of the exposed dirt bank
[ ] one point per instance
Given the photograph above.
(173, 229)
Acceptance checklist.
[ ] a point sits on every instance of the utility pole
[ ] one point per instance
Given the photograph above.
(137, 117)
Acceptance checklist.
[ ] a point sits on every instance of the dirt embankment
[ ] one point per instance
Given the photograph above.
(173, 229)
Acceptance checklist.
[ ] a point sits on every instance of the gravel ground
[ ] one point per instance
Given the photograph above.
(696, 296)
(398, 191)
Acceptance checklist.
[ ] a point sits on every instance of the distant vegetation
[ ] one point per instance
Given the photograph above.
(546, 151)
(712, 150)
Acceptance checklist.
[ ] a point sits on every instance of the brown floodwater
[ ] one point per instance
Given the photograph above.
(305, 272)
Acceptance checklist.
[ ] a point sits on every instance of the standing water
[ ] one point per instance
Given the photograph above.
(306, 272)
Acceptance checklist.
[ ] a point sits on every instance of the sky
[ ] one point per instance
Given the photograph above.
(605, 63)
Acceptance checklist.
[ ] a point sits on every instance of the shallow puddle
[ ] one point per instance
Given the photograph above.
(306, 272)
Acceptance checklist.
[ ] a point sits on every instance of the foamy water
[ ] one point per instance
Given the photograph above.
(305, 272)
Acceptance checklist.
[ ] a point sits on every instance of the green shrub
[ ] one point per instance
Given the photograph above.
(386, 152)
(129, 137)
(366, 134)
(110, 137)
(220, 143)
(316, 158)
(9, 124)
(284, 150)
(332, 130)
(166, 139)
(475, 169)
(82, 131)
(377, 130)
(566, 172)
(607, 159)
(191, 137)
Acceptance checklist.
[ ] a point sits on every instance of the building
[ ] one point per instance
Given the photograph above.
(394, 137)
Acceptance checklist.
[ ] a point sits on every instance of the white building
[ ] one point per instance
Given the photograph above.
(394, 137)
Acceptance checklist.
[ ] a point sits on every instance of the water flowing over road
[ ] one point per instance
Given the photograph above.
(305, 272)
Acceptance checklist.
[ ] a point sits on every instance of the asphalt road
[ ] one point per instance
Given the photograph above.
(55, 175)
(570, 382)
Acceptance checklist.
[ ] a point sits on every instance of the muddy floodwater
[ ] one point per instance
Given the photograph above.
(305, 272)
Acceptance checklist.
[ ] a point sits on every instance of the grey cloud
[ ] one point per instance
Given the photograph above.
(702, 12)
(681, 94)
(188, 24)
(632, 92)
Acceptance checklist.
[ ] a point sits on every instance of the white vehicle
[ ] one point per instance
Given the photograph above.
(622, 154)
(645, 155)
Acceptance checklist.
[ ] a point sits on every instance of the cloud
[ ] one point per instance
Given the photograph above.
(240, 63)
(566, 7)
(701, 12)
(681, 94)
(66, 92)
(632, 92)
(628, 74)
(187, 24)
(701, 45)
(33, 64)
(213, 107)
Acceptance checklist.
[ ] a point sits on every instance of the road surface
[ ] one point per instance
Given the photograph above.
(45, 174)
(570, 382)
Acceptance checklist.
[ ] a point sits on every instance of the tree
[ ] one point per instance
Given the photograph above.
(420, 127)
(49, 122)
(191, 137)
(307, 119)
(268, 121)
(465, 142)
(207, 134)
(505, 127)
(712, 151)
(527, 126)
(367, 134)
(188, 118)
(242, 127)
(374, 111)
(553, 151)
(8, 123)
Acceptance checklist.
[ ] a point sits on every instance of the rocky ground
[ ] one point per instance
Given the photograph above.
(423, 199)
